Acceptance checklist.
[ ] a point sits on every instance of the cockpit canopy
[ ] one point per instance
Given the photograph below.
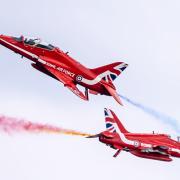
(38, 43)
(34, 42)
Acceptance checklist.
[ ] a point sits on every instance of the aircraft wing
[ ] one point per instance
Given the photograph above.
(67, 81)
(76, 91)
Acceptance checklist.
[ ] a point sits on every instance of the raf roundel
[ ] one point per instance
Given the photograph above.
(79, 78)
(136, 143)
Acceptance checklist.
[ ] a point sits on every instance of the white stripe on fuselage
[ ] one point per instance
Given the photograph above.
(97, 79)
(20, 49)
(127, 141)
(104, 74)
(175, 150)
(84, 80)
(40, 60)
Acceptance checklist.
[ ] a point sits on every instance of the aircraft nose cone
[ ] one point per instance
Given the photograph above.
(1, 36)
(4, 40)
(4, 37)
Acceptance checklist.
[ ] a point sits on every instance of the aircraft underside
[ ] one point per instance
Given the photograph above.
(151, 155)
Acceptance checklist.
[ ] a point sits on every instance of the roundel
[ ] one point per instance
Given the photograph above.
(79, 78)
(136, 143)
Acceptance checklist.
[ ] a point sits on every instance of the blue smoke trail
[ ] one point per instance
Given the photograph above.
(158, 115)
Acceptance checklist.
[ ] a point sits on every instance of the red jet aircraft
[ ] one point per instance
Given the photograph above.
(60, 66)
(151, 146)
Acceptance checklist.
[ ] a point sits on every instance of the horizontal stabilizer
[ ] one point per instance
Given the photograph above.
(113, 93)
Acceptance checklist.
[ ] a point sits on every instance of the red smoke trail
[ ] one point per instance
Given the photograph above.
(10, 125)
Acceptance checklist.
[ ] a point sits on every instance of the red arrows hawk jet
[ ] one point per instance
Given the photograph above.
(60, 66)
(152, 146)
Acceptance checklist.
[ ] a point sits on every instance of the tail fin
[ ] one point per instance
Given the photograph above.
(110, 72)
(112, 122)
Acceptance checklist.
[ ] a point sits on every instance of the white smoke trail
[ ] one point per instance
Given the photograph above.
(158, 115)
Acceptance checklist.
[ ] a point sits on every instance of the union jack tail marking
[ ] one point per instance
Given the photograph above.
(110, 72)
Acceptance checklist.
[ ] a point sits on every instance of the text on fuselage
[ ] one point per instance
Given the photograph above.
(60, 69)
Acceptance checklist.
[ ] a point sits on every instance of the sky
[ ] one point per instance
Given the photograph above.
(143, 33)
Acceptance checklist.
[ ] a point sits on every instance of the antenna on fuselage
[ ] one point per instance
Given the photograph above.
(178, 138)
